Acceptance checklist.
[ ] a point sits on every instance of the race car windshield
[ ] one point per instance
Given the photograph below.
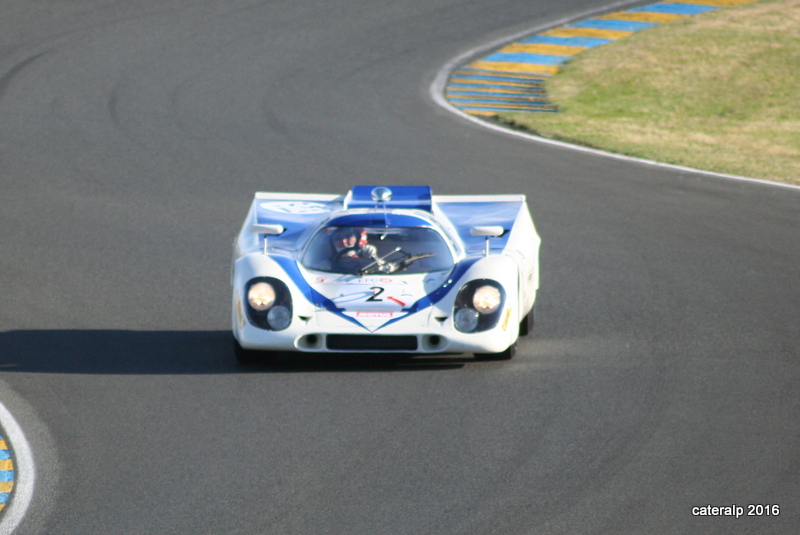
(363, 251)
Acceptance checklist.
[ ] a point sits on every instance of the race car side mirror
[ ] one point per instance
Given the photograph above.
(492, 232)
(270, 230)
(267, 230)
(489, 232)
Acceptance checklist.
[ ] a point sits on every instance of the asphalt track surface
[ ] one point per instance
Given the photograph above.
(663, 374)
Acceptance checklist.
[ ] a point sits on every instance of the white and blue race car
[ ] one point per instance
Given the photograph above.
(384, 269)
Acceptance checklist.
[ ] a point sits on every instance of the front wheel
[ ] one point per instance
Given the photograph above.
(508, 354)
(526, 325)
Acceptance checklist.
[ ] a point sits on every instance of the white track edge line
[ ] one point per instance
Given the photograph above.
(440, 82)
(24, 473)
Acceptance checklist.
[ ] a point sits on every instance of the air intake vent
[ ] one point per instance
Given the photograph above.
(370, 342)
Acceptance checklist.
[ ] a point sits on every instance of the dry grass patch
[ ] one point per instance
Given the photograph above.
(718, 91)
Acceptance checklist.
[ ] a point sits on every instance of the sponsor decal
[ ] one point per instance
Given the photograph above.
(505, 319)
(295, 207)
(374, 280)
(369, 296)
(372, 320)
(239, 313)
(385, 315)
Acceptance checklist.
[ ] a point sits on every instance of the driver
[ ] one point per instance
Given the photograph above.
(352, 251)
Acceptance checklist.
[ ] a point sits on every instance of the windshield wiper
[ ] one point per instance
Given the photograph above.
(410, 260)
(400, 266)
(363, 271)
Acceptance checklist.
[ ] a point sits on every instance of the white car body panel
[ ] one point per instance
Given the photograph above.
(409, 308)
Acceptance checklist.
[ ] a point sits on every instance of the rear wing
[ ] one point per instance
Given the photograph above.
(300, 213)
(297, 213)
(466, 212)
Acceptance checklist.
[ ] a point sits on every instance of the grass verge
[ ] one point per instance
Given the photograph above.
(719, 91)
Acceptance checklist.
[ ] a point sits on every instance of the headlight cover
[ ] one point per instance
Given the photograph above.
(261, 296)
(269, 303)
(466, 320)
(279, 317)
(487, 299)
(478, 306)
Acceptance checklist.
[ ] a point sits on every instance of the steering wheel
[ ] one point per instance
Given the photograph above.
(343, 253)
(394, 267)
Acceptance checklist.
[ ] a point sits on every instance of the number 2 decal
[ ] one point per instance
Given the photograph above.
(376, 291)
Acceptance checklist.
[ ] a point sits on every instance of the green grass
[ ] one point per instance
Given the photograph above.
(719, 91)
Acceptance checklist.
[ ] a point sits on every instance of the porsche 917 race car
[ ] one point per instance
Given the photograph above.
(384, 269)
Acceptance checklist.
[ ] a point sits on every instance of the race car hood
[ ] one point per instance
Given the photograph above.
(373, 301)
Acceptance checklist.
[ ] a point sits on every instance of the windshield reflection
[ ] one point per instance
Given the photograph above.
(362, 251)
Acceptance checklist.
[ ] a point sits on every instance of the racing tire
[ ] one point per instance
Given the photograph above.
(508, 354)
(526, 325)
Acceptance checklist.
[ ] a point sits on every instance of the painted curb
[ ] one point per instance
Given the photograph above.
(438, 88)
(6, 473)
(511, 78)
(17, 492)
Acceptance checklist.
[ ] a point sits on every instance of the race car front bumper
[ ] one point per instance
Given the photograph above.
(409, 335)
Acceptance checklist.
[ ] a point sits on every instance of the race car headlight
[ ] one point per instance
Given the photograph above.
(279, 317)
(269, 303)
(261, 296)
(486, 299)
(478, 306)
(466, 320)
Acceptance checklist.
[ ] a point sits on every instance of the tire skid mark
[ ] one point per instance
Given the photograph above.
(5, 80)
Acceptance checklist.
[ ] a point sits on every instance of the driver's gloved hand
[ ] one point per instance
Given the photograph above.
(368, 251)
(387, 267)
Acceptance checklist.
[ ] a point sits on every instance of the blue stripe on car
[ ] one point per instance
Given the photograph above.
(439, 293)
(289, 265)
